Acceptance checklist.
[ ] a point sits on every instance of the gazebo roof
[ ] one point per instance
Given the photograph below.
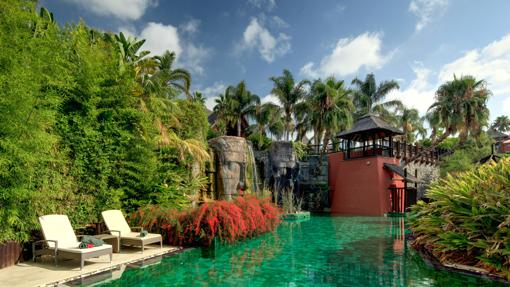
(370, 124)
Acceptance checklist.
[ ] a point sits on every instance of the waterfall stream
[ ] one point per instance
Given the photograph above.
(251, 157)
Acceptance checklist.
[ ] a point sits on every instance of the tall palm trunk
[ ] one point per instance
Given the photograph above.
(327, 137)
(239, 127)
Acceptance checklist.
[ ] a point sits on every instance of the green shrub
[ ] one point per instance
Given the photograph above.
(468, 218)
(76, 137)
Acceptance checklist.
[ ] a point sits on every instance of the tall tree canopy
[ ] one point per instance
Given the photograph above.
(289, 94)
(460, 107)
(369, 97)
(501, 124)
(235, 106)
(330, 109)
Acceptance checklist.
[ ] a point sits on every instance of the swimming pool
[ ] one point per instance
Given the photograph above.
(324, 251)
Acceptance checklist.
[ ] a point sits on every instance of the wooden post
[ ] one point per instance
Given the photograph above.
(391, 146)
(348, 154)
(373, 144)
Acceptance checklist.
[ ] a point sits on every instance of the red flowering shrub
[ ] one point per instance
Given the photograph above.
(226, 221)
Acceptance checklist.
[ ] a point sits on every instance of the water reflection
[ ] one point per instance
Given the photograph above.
(325, 251)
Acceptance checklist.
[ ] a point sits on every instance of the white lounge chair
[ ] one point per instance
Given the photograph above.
(61, 241)
(117, 225)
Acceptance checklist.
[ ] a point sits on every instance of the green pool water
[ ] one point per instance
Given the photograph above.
(324, 251)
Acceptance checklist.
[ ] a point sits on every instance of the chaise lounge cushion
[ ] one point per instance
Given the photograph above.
(86, 250)
(114, 220)
(136, 235)
(57, 227)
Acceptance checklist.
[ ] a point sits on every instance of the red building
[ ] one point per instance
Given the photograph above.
(365, 177)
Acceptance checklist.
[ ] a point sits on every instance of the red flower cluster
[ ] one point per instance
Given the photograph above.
(226, 221)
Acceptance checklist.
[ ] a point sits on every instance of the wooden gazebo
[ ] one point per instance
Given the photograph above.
(370, 136)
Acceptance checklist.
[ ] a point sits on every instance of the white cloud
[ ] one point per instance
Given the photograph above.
(491, 63)
(506, 105)
(263, 4)
(426, 11)
(270, 98)
(160, 37)
(121, 9)
(419, 94)
(194, 57)
(309, 71)
(191, 26)
(256, 36)
(349, 55)
(279, 22)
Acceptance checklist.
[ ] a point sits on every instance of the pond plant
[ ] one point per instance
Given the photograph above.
(467, 220)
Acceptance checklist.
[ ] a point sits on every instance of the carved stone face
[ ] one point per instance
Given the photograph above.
(232, 158)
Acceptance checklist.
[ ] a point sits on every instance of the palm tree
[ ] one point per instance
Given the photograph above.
(369, 97)
(198, 97)
(330, 109)
(461, 107)
(303, 119)
(178, 79)
(267, 119)
(501, 124)
(235, 105)
(412, 124)
(289, 94)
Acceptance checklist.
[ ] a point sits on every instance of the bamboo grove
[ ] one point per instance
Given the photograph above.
(89, 121)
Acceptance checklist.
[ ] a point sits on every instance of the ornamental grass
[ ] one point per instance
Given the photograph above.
(468, 218)
(225, 221)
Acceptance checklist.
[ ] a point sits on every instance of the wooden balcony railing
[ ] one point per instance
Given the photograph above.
(401, 150)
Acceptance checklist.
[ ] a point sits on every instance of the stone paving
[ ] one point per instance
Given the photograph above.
(45, 273)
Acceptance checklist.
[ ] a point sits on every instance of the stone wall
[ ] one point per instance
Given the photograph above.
(307, 177)
(313, 182)
(426, 174)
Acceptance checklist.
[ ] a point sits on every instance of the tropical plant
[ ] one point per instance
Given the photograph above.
(369, 97)
(74, 127)
(461, 107)
(466, 221)
(463, 157)
(412, 124)
(128, 49)
(198, 97)
(501, 124)
(289, 94)
(226, 221)
(267, 120)
(330, 109)
(235, 107)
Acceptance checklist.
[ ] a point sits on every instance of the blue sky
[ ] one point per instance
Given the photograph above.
(420, 43)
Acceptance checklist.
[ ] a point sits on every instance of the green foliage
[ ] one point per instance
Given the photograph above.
(260, 142)
(32, 74)
(460, 107)
(501, 124)
(87, 123)
(464, 157)
(467, 218)
(300, 149)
